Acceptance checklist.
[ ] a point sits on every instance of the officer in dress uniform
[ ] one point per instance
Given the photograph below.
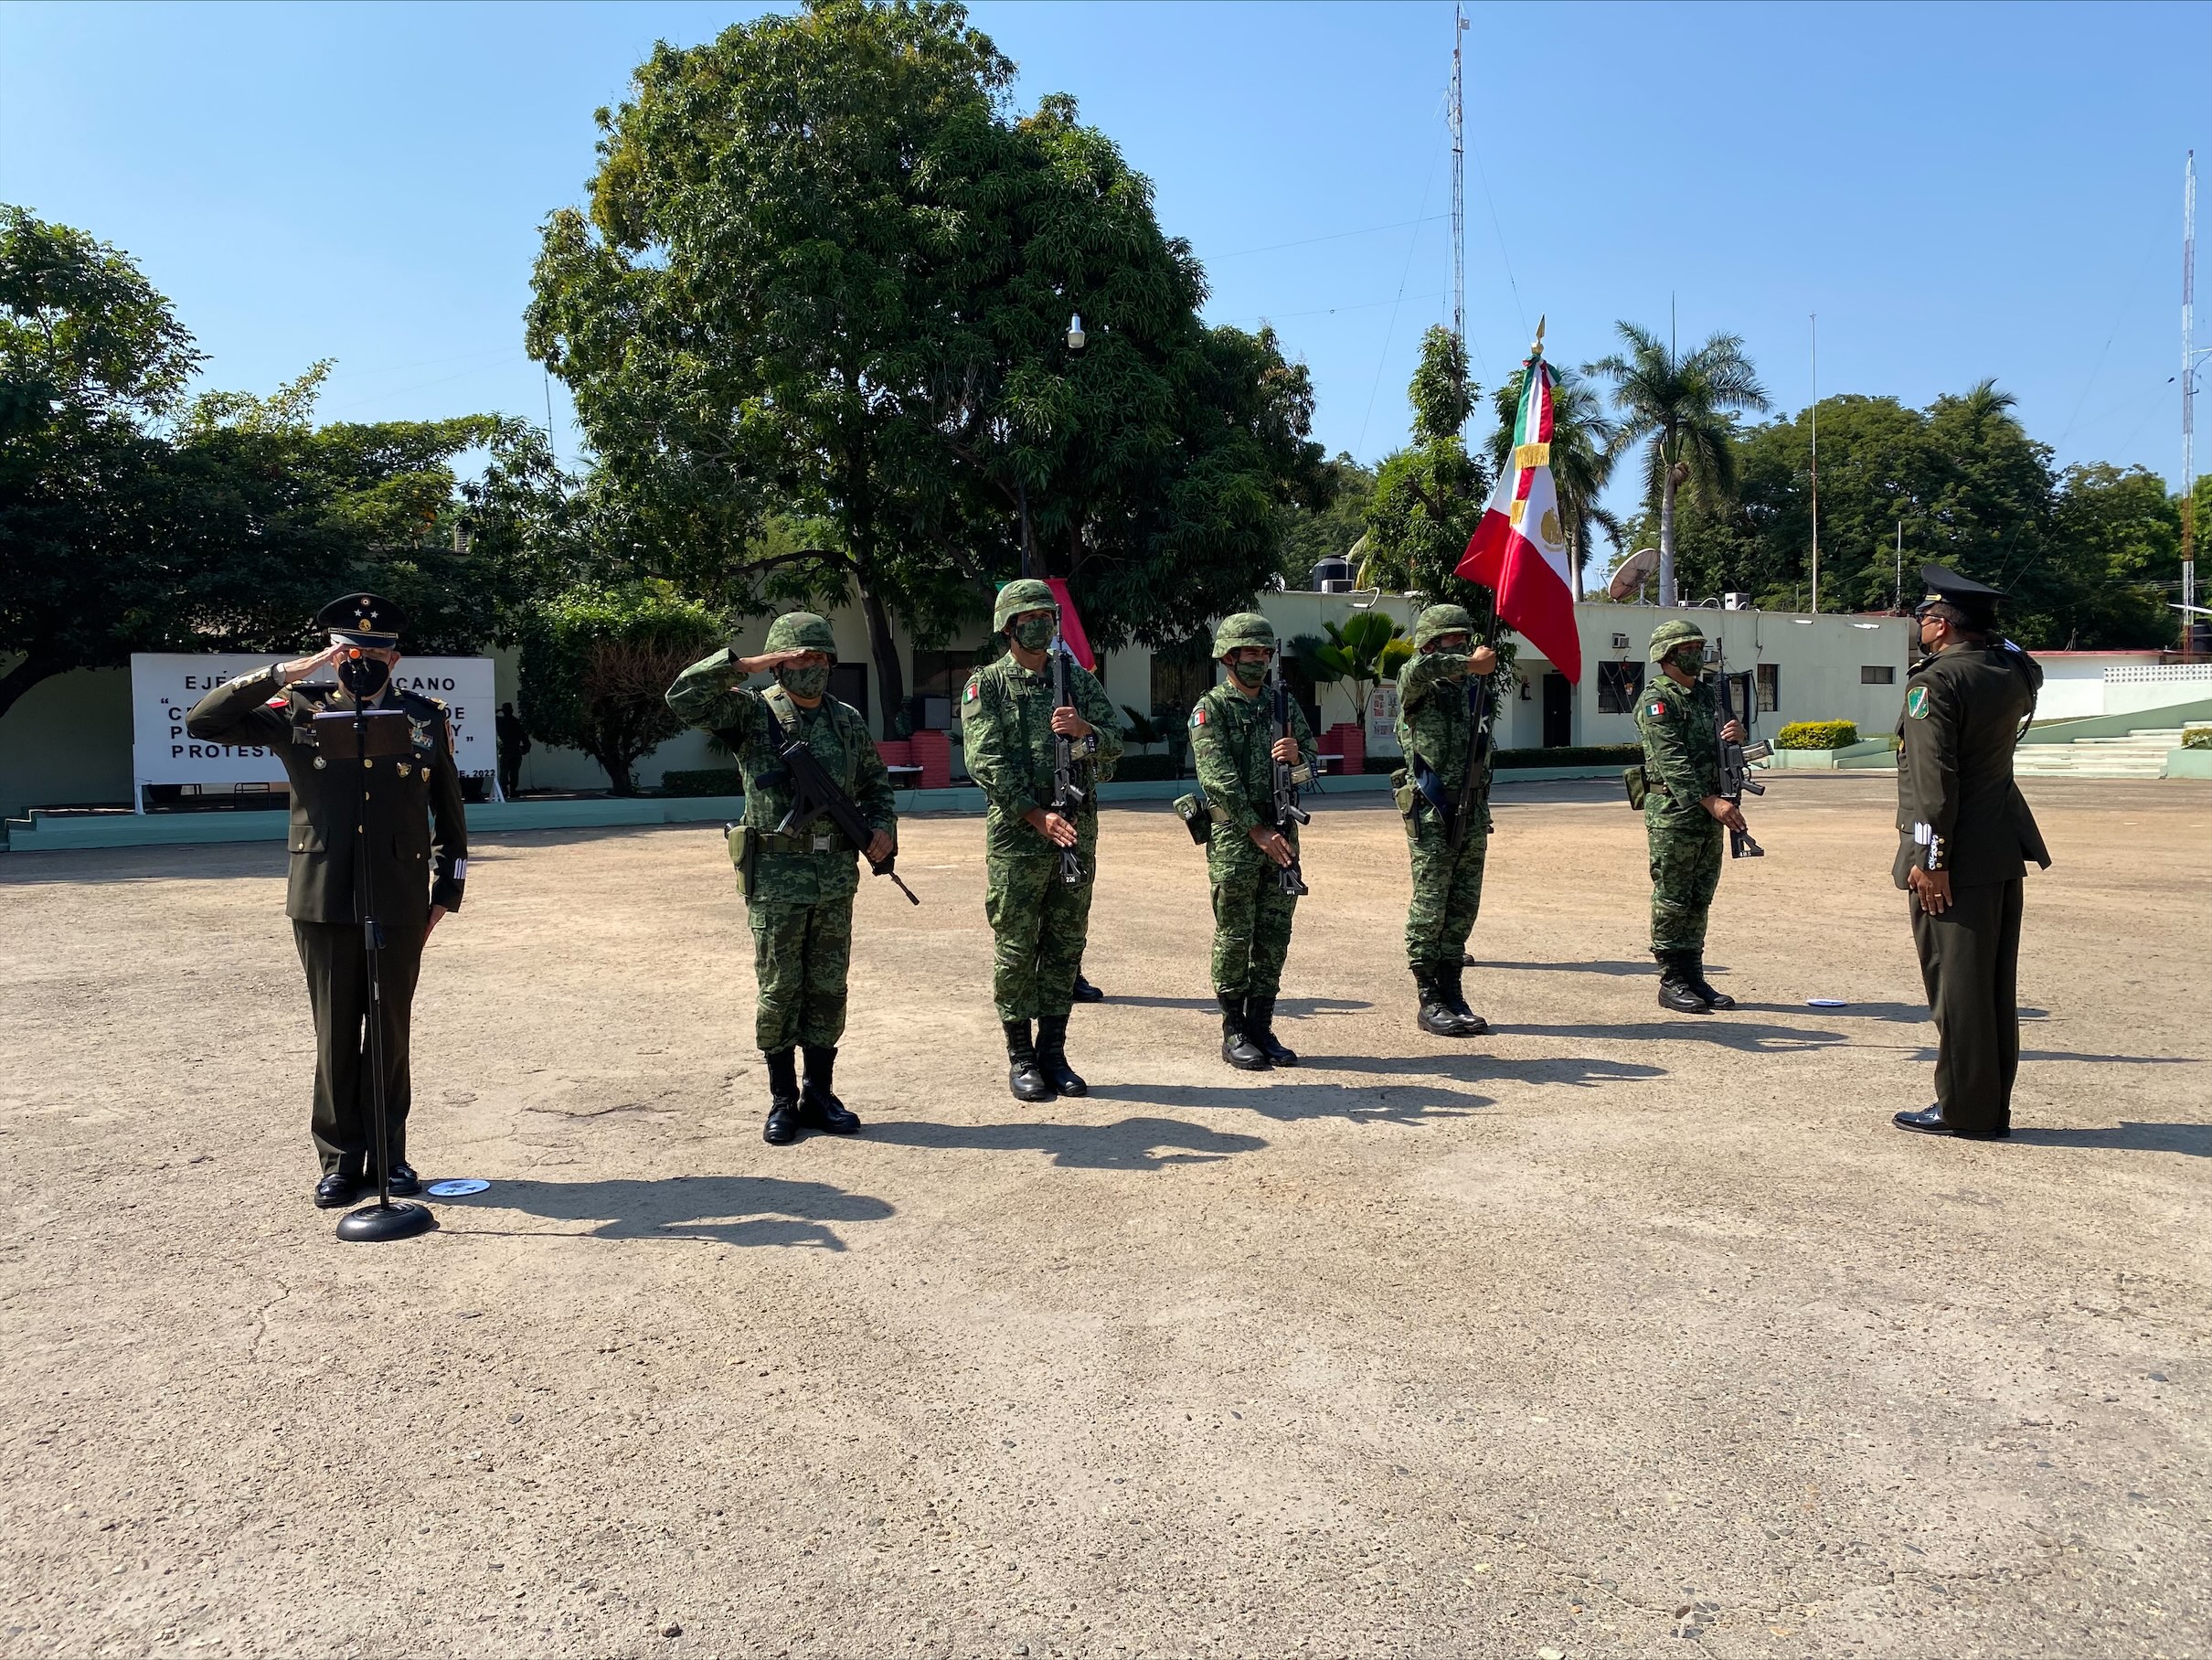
(400, 813)
(1964, 834)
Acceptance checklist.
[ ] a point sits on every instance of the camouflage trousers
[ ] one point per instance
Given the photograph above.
(1251, 920)
(800, 955)
(1039, 925)
(1686, 873)
(1447, 892)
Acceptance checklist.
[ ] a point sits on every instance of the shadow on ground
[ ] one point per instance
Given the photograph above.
(1134, 1144)
(727, 1209)
(1290, 1007)
(2193, 1140)
(1284, 1098)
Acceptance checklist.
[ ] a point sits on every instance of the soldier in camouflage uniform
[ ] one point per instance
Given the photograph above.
(798, 889)
(1234, 749)
(1039, 920)
(1684, 814)
(1434, 712)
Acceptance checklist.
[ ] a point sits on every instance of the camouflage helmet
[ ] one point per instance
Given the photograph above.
(1440, 620)
(801, 630)
(1245, 627)
(1668, 636)
(1015, 598)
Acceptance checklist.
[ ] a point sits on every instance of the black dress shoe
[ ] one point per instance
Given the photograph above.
(404, 1183)
(337, 1190)
(1087, 993)
(1929, 1120)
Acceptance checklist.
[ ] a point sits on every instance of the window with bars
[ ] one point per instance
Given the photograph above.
(1878, 674)
(1770, 687)
(1618, 686)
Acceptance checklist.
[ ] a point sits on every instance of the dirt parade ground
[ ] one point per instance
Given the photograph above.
(1612, 1333)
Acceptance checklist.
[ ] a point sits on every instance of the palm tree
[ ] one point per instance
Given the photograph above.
(1582, 439)
(1682, 410)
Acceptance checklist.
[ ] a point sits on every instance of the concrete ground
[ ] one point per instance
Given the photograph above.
(1612, 1334)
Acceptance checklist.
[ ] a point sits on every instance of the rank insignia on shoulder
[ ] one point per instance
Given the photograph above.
(1916, 703)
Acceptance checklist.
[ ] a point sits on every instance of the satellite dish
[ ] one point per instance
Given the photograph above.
(1635, 571)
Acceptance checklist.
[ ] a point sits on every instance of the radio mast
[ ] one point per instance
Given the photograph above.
(2188, 406)
(1459, 187)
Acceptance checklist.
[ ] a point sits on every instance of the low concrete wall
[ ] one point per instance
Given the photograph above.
(2189, 764)
(2119, 726)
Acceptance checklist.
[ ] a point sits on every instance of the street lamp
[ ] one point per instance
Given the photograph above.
(1075, 334)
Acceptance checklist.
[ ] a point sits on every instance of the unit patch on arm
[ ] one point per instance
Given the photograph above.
(1916, 703)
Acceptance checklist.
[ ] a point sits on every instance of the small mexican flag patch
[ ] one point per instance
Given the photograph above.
(1198, 716)
(1916, 703)
(969, 696)
(1655, 709)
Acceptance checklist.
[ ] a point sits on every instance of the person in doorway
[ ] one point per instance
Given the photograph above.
(1964, 835)
(385, 838)
(514, 744)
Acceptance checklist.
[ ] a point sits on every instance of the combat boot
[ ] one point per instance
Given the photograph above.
(1259, 1026)
(1237, 1047)
(1437, 1017)
(1471, 1025)
(1052, 1055)
(1024, 1077)
(782, 1126)
(1675, 992)
(1704, 987)
(817, 1105)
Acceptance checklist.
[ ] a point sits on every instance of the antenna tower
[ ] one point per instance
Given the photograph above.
(2188, 405)
(1459, 187)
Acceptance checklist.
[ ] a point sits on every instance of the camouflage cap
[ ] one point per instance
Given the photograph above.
(1015, 598)
(1440, 620)
(801, 630)
(1245, 627)
(1668, 636)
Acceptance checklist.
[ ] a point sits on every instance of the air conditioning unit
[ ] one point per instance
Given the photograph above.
(1736, 602)
(1620, 643)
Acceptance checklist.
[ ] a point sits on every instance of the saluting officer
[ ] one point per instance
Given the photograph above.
(1684, 814)
(1233, 749)
(1434, 716)
(1039, 922)
(403, 816)
(1964, 834)
(798, 889)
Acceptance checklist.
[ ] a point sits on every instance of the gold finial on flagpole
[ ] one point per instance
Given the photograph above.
(1537, 350)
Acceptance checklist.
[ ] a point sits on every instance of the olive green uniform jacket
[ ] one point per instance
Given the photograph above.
(1960, 811)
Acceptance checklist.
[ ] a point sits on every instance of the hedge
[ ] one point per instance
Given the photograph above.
(706, 781)
(1817, 735)
(2196, 738)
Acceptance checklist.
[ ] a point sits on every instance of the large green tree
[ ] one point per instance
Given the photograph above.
(1681, 411)
(1429, 496)
(824, 274)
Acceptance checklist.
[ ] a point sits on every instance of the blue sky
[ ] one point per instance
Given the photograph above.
(1956, 192)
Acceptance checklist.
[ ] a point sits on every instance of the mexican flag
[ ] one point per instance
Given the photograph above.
(1519, 550)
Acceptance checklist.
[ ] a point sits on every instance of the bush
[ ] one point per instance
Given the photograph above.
(1817, 735)
(597, 664)
(2196, 738)
(1571, 755)
(704, 781)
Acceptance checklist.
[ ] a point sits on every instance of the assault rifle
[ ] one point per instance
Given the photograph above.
(1478, 741)
(1290, 877)
(1735, 761)
(1066, 794)
(816, 795)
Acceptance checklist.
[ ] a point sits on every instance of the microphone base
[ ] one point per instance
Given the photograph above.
(376, 1223)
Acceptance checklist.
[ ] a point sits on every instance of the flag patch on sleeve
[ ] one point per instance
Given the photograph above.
(1198, 716)
(1916, 703)
(1657, 708)
(969, 696)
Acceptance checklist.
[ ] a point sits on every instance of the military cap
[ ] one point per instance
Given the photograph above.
(1668, 636)
(801, 630)
(1975, 602)
(1440, 620)
(363, 619)
(1245, 627)
(1015, 598)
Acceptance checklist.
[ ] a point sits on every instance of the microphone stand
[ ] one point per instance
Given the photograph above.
(383, 1219)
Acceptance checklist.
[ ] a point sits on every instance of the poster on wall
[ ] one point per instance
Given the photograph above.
(166, 685)
(1382, 720)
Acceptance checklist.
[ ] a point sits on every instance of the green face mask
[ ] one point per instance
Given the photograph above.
(804, 682)
(1690, 660)
(1253, 675)
(1033, 634)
